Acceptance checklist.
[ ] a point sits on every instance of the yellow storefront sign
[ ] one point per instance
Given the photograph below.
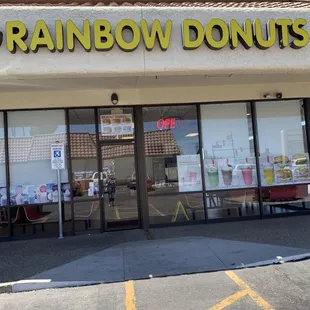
(101, 36)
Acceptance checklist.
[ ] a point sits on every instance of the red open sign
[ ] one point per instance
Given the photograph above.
(167, 123)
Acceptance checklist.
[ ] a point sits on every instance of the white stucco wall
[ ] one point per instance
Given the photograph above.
(149, 96)
(141, 62)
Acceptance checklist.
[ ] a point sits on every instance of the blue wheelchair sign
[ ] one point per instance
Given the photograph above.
(57, 154)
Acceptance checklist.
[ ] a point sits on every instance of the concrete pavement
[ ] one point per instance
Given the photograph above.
(225, 245)
(284, 287)
(159, 258)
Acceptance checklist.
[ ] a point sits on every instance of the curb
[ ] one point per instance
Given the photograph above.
(31, 285)
(278, 260)
(6, 289)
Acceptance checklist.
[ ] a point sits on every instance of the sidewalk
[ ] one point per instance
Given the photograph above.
(127, 255)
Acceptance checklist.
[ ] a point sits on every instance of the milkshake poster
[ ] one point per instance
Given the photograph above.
(230, 173)
(189, 173)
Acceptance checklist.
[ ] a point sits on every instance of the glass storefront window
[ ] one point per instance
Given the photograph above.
(3, 199)
(83, 147)
(232, 203)
(229, 160)
(31, 134)
(116, 123)
(172, 160)
(282, 143)
(228, 147)
(284, 159)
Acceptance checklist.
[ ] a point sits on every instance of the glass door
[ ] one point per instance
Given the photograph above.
(118, 168)
(119, 186)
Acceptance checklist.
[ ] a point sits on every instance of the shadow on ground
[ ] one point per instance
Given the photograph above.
(109, 257)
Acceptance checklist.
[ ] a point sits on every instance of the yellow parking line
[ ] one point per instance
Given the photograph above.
(130, 300)
(156, 210)
(229, 300)
(259, 300)
(117, 213)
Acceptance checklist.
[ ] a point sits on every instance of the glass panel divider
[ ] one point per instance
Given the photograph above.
(256, 151)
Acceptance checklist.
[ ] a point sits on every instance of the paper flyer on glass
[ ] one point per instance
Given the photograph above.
(3, 197)
(225, 173)
(189, 173)
(284, 169)
(42, 194)
(116, 124)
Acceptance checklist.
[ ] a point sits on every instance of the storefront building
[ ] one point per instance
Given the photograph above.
(171, 113)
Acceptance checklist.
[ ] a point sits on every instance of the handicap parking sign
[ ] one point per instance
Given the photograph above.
(57, 154)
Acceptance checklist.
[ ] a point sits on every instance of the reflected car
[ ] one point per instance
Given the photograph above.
(132, 182)
(103, 177)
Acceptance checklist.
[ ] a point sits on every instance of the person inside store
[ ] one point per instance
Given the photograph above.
(111, 184)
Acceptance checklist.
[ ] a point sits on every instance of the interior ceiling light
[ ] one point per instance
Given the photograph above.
(193, 134)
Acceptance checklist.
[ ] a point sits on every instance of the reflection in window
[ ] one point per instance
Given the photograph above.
(284, 158)
(3, 199)
(177, 208)
(31, 134)
(232, 203)
(83, 153)
(228, 146)
(172, 158)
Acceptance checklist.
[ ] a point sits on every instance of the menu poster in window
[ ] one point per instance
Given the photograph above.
(116, 124)
(89, 175)
(230, 173)
(189, 173)
(300, 168)
(78, 176)
(285, 169)
(82, 175)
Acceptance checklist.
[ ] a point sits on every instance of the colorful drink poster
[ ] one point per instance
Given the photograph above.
(228, 173)
(116, 124)
(267, 170)
(189, 173)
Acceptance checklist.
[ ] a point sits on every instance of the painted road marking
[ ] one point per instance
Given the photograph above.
(259, 300)
(229, 300)
(117, 213)
(130, 300)
(161, 214)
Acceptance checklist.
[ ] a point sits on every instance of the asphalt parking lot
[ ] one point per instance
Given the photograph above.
(282, 286)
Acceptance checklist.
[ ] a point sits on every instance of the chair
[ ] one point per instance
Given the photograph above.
(4, 217)
(193, 208)
(33, 216)
(86, 214)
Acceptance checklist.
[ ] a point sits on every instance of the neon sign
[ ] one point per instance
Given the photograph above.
(169, 123)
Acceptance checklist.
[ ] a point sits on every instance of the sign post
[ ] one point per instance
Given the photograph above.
(58, 163)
